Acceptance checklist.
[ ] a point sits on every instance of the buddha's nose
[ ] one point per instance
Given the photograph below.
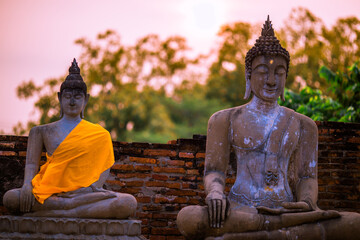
(271, 80)
(72, 101)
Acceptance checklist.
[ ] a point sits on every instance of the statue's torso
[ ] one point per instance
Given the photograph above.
(263, 145)
(54, 133)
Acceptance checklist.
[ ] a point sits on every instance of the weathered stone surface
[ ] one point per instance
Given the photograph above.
(16, 227)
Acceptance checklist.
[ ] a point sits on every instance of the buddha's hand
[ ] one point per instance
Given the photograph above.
(107, 193)
(287, 207)
(27, 198)
(217, 208)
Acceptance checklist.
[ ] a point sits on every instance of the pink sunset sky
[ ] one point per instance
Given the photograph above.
(37, 36)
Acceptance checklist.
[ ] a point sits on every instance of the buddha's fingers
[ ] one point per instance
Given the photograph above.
(302, 206)
(223, 212)
(210, 212)
(218, 213)
(267, 210)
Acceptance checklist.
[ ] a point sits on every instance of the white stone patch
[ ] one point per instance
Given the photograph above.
(246, 140)
(312, 164)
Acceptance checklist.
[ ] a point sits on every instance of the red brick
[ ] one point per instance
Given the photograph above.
(136, 151)
(168, 170)
(7, 145)
(159, 152)
(124, 167)
(22, 153)
(165, 231)
(144, 215)
(143, 160)
(130, 190)
(143, 199)
(143, 168)
(181, 192)
(323, 131)
(145, 230)
(192, 171)
(161, 200)
(200, 155)
(159, 223)
(164, 215)
(175, 163)
(7, 153)
(133, 175)
(160, 177)
(163, 184)
(193, 201)
(179, 200)
(151, 208)
(172, 142)
(189, 164)
(134, 183)
(186, 155)
(352, 154)
(114, 182)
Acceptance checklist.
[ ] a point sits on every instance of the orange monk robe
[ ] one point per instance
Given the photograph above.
(77, 162)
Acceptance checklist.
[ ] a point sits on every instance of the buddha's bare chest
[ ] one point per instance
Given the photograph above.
(251, 129)
(53, 136)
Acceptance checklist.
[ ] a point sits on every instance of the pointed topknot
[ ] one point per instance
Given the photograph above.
(267, 29)
(74, 79)
(74, 68)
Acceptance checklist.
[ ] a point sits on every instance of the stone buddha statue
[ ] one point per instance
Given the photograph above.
(275, 192)
(79, 156)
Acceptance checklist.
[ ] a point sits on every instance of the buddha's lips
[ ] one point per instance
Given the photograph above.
(270, 90)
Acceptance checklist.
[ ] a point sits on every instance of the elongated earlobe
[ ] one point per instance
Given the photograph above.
(61, 112)
(248, 86)
(282, 97)
(82, 114)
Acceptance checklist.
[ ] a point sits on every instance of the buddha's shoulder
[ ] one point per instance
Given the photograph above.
(305, 122)
(226, 114)
(94, 127)
(40, 129)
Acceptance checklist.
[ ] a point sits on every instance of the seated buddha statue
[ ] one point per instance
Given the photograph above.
(79, 156)
(275, 192)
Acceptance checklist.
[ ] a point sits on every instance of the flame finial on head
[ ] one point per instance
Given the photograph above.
(267, 29)
(74, 79)
(74, 68)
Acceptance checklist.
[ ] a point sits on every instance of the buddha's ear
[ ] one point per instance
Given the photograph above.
(282, 97)
(87, 96)
(61, 111)
(248, 86)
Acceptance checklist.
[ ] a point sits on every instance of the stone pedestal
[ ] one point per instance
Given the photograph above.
(16, 227)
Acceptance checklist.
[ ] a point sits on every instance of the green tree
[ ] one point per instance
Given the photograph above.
(321, 107)
(226, 81)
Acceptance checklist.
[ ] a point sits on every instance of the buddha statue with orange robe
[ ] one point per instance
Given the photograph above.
(79, 156)
(275, 192)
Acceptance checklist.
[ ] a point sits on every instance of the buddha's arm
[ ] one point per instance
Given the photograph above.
(307, 187)
(33, 155)
(96, 186)
(217, 158)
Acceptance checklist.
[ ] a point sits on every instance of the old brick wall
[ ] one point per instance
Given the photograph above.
(166, 177)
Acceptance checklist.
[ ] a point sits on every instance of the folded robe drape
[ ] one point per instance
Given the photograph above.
(77, 162)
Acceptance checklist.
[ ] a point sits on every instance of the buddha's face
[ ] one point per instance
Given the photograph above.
(268, 77)
(72, 101)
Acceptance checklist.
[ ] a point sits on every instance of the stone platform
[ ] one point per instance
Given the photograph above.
(17, 227)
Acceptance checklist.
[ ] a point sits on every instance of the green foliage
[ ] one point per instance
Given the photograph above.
(345, 87)
(226, 81)
(319, 107)
(313, 104)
